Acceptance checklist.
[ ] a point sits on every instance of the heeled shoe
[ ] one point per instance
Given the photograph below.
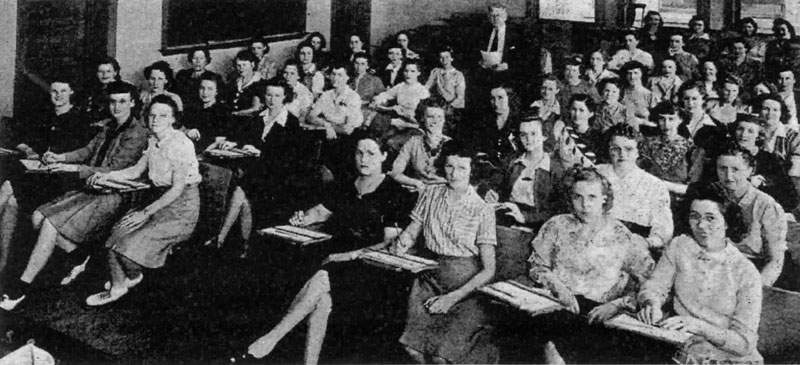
(75, 272)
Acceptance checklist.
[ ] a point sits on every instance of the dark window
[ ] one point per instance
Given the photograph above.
(219, 22)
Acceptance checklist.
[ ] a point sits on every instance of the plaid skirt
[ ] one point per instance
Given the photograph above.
(151, 243)
(463, 334)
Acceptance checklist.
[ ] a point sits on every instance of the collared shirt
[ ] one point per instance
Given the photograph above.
(791, 104)
(766, 223)
(279, 118)
(498, 32)
(623, 56)
(695, 125)
(314, 80)
(343, 109)
(523, 186)
(422, 157)
(722, 288)
(545, 110)
(642, 199)
(301, 101)
(449, 84)
(458, 228)
(600, 267)
(665, 89)
(393, 72)
(173, 154)
(408, 96)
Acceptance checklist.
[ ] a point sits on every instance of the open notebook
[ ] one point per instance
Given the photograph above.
(538, 301)
(120, 186)
(397, 262)
(296, 235)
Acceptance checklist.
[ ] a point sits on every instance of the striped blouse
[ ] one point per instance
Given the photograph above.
(454, 229)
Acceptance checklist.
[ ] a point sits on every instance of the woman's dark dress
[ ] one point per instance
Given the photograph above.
(212, 122)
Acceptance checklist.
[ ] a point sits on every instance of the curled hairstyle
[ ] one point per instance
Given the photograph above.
(750, 21)
(108, 60)
(747, 118)
(166, 100)
(162, 66)
(758, 103)
(732, 148)
(581, 173)
(260, 39)
(323, 42)
(632, 65)
(778, 22)
(734, 218)
(206, 52)
(626, 131)
(616, 81)
(287, 90)
(247, 55)
(664, 108)
(585, 99)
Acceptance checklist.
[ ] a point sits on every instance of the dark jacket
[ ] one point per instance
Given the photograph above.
(125, 148)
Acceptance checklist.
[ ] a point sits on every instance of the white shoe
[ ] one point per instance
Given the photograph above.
(129, 283)
(9, 304)
(105, 297)
(73, 274)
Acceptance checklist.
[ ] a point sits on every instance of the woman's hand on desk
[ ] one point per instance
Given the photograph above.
(193, 134)
(564, 296)
(603, 312)
(341, 257)
(441, 304)
(686, 324)
(251, 149)
(299, 219)
(50, 157)
(650, 314)
(96, 178)
(226, 145)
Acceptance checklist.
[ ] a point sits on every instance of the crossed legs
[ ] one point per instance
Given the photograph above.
(313, 302)
(239, 209)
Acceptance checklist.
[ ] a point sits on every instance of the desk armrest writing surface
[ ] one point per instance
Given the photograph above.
(397, 262)
(120, 186)
(296, 235)
(626, 322)
(533, 301)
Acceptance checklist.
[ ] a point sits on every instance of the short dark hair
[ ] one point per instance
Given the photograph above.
(262, 40)
(695, 19)
(287, 90)
(363, 55)
(108, 60)
(731, 148)
(616, 81)
(780, 21)
(665, 108)
(296, 64)
(758, 103)
(734, 218)
(579, 173)
(583, 98)
(342, 65)
(626, 131)
(323, 41)
(206, 52)
(247, 55)
(122, 87)
(750, 21)
(626, 33)
(632, 65)
(162, 66)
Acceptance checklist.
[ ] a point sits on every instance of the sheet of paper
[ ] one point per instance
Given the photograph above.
(491, 59)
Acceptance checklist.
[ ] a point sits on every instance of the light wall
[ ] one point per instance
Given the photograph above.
(392, 16)
(8, 45)
(138, 39)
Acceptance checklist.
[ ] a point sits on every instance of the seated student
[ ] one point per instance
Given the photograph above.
(391, 75)
(765, 240)
(245, 96)
(318, 42)
(159, 77)
(338, 109)
(446, 321)
(740, 64)
(698, 41)
(575, 139)
(419, 162)
(704, 131)
(364, 212)
(548, 105)
(402, 115)
(402, 40)
(366, 84)
(636, 97)
(670, 156)
(493, 132)
(187, 81)
(573, 84)
(777, 52)
(666, 85)
(81, 217)
(313, 78)
(206, 122)
(597, 71)
(448, 83)
(630, 52)
(790, 95)
(779, 139)
(302, 98)
(266, 66)
(589, 260)
(611, 111)
(528, 187)
(708, 80)
(763, 87)
(95, 102)
(756, 47)
(686, 61)
(144, 237)
(61, 129)
(769, 174)
(274, 137)
(641, 200)
(731, 102)
(715, 290)
(652, 35)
